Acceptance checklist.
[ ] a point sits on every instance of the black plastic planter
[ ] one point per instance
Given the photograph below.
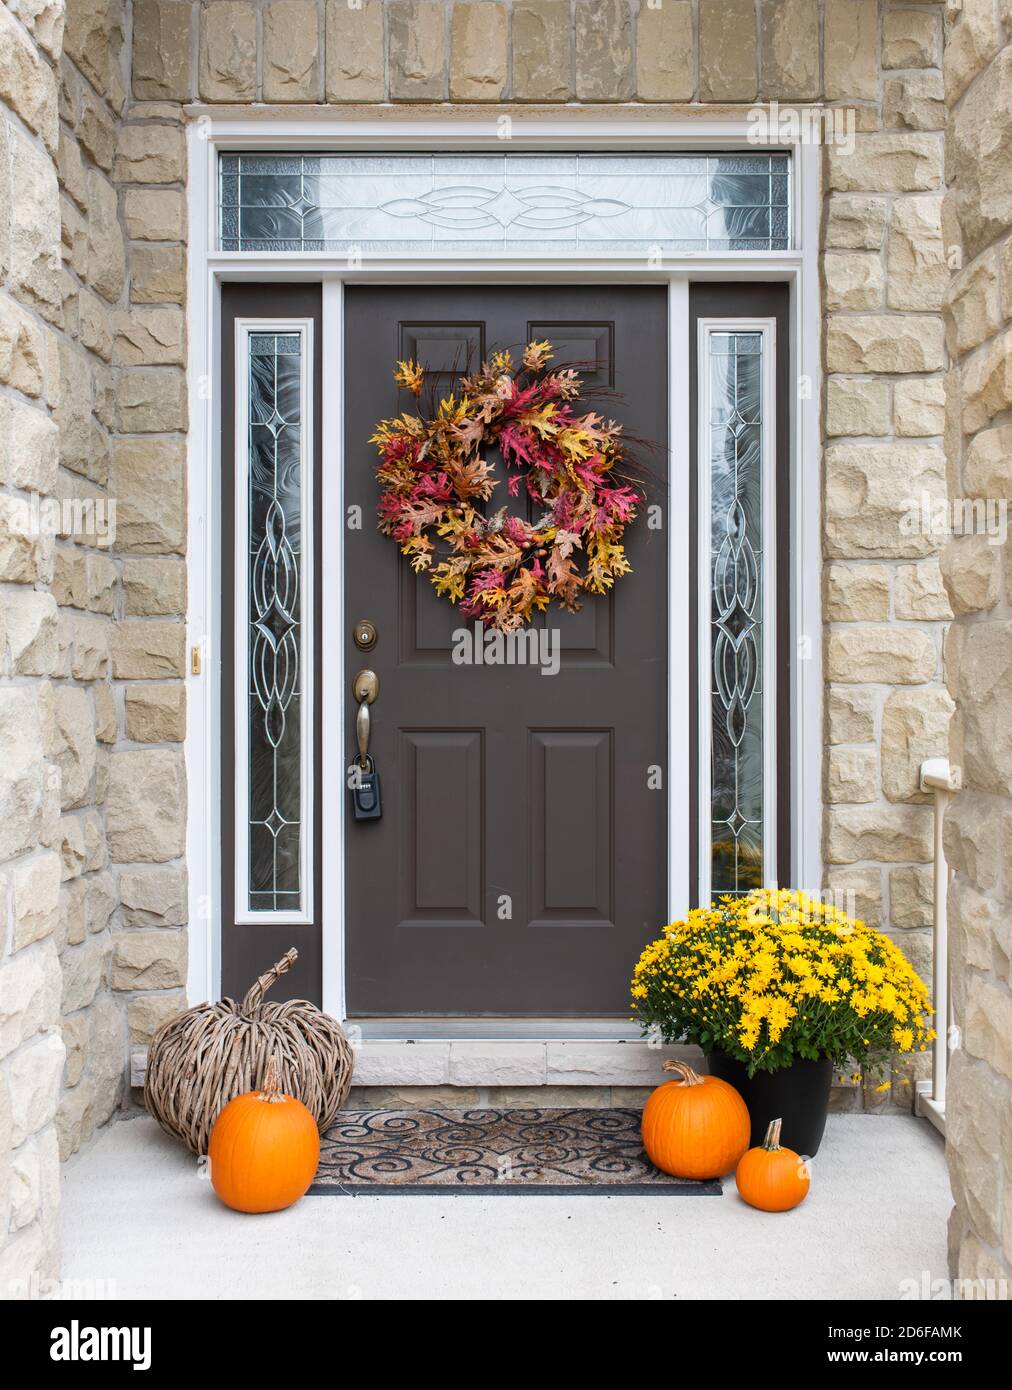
(799, 1095)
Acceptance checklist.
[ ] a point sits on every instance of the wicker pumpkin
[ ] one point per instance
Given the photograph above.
(695, 1127)
(264, 1149)
(205, 1057)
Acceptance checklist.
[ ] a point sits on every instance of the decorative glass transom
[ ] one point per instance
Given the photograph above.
(735, 365)
(487, 202)
(274, 579)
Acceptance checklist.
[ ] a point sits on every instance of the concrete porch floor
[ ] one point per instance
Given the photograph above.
(137, 1212)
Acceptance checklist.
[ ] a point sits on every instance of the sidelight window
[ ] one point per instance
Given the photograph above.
(737, 763)
(273, 621)
(422, 203)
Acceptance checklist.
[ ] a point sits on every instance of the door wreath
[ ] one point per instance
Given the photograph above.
(435, 473)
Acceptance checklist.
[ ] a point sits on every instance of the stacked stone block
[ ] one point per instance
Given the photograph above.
(35, 802)
(543, 51)
(86, 585)
(146, 807)
(978, 651)
(885, 271)
(92, 706)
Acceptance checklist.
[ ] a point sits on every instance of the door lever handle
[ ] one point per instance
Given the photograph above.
(365, 689)
(362, 732)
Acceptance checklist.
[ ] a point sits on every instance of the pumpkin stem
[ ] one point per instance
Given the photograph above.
(772, 1141)
(255, 993)
(271, 1089)
(688, 1076)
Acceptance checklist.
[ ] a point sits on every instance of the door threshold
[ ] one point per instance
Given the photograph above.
(410, 1030)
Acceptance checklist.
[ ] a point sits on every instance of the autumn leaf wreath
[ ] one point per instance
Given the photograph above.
(434, 476)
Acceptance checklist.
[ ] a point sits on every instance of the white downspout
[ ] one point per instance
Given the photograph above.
(938, 777)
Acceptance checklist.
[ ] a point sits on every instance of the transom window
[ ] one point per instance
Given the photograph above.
(410, 203)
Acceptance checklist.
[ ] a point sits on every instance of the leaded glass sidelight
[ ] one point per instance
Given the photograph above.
(737, 486)
(419, 203)
(273, 722)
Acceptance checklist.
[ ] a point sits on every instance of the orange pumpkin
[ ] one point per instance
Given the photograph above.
(695, 1127)
(772, 1178)
(264, 1149)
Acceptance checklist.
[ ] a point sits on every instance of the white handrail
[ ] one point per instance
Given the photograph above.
(939, 777)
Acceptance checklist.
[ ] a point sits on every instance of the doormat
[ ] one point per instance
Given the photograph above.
(490, 1152)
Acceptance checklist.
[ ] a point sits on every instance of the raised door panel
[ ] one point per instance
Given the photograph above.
(571, 824)
(587, 347)
(445, 350)
(443, 825)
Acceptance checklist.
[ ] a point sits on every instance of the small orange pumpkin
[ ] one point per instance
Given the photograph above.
(695, 1127)
(264, 1149)
(772, 1178)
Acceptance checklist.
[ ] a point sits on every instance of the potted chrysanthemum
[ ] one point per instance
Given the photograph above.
(778, 988)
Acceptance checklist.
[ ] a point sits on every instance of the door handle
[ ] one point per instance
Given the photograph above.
(365, 689)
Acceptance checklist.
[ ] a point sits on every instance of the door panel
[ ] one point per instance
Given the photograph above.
(443, 855)
(572, 825)
(588, 346)
(446, 348)
(520, 862)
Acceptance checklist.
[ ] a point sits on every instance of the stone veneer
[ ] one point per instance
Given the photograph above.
(91, 372)
(92, 886)
(978, 649)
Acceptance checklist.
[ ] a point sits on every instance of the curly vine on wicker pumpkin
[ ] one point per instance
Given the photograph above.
(205, 1057)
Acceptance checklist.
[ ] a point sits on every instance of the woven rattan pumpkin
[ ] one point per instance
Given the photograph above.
(205, 1057)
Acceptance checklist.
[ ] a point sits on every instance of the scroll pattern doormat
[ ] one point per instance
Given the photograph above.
(492, 1152)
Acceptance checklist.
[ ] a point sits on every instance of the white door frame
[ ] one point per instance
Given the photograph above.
(209, 268)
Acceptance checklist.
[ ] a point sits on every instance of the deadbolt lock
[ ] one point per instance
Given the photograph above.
(365, 635)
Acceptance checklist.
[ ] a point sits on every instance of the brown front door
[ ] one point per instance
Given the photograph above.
(520, 861)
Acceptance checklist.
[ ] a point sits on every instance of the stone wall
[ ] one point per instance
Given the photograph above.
(124, 963)
(92, 511)
(35, 714)
(978, 831)
(43, 822)
(544, 51)
(884, 275)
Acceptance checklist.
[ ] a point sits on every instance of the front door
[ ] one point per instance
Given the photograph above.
(520, 861)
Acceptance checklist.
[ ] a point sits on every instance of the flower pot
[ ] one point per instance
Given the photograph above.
(798, 1094)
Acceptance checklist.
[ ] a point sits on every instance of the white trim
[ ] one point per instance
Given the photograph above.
(766, 328)
(333, 774)
(434, 267)
(676, 516)
(203, 582)
(244, 329)
(771, 621)
(805, 541)
(208, 269)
